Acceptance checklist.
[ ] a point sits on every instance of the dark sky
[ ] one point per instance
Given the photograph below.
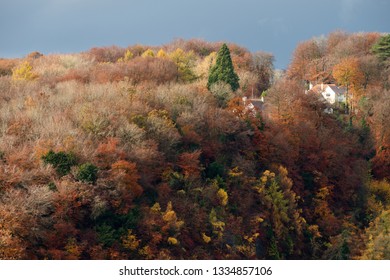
(276, 26)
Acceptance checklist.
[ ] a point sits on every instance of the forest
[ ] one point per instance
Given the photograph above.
(151, 152)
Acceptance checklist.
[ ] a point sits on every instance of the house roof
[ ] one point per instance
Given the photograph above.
(320, 88)
(338, 90)
(257, 104)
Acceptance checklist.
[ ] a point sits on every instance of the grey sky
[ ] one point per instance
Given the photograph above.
(63, 26)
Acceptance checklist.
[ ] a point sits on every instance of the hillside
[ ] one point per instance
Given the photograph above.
(131, 153)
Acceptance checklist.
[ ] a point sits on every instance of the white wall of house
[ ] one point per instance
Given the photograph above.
(329, 95)
(342, 98)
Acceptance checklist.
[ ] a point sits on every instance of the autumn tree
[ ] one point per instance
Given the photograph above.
(185, 63)
(263, 68)
(348, 74)
(148, 53)
(304, 53)
(202, 69)
(283, 220)
(223, 70)
(127, 56)
(378, 238)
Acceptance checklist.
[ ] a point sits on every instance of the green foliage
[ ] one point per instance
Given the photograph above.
(273, 251)
(61, 161)
(215, 170)
(87, 173)
(175, 180)
(110, 226)
(382, 48)
(223, 70)
(106, 234)
(52, 186)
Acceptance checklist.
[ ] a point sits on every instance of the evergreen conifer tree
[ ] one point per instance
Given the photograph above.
(223, 70)
(382, 47)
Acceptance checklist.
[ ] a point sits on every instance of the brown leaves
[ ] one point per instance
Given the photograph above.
(125, 175)
(190, 164)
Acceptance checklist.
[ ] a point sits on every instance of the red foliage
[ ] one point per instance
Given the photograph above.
(106, 54)
(79, 75)
(190, 164)
(125, 174)
(381, 163)
(107, 153)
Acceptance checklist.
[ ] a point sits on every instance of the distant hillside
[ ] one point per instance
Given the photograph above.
(123, 153)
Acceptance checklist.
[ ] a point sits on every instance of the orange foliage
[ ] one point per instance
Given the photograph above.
(190, 164)
(108, 152)
(348, 73)
(125, 174)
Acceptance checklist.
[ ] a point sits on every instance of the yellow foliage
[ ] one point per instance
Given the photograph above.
(218, 226)
(314, 230)
(185, 62)
(266, 177)
(169, 214)
(259, 220)
(156, 208)
(222, 197)
(252, 238)
(128, 55)
(170, 217)
(206, 238)
(172, 241)
(162, 54)
(24, 72)
(235, 172)
(202, 69)
(73, 249)
(146, 252)
(130, 241)
(148, 53)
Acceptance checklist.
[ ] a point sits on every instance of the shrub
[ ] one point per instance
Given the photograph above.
(106, 54)
(87, 173)
(61, 161)
(24, 72)
(6, 66)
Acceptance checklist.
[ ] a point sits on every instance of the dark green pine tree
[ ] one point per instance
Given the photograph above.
(223, 70)
(382, 48)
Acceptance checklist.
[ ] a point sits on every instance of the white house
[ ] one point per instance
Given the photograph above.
(330, 92)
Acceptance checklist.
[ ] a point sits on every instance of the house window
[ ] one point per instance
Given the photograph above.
(328, 94)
